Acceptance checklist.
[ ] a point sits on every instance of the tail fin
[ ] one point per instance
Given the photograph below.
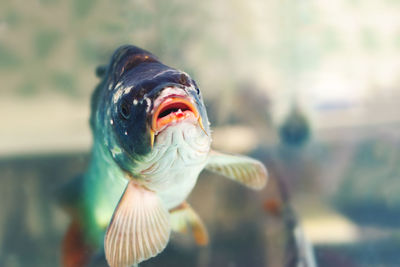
(75, 251)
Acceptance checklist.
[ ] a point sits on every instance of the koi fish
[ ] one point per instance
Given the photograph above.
(151, 141)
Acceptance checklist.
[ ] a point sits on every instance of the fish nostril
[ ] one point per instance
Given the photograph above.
(125, 111)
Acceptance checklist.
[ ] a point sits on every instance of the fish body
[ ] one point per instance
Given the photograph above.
(151, 141)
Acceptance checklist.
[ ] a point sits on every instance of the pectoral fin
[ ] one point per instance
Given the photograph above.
(184, 215)
(139, 228)
(242, 169)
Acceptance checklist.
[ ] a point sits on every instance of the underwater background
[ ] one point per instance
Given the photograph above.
(309, 87)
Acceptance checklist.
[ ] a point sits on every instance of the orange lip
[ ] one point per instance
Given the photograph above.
(173, 109)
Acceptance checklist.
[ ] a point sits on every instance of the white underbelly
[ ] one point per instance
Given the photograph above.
(177, 185)
(173, 177)
(173, 167)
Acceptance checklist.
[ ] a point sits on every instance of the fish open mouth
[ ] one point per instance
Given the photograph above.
(171, 110)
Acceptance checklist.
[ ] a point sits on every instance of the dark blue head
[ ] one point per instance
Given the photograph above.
(138, 99)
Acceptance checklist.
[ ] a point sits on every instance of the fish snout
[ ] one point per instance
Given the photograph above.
(171, 107)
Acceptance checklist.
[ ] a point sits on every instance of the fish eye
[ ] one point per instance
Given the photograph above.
(124, 110)
(196, 87)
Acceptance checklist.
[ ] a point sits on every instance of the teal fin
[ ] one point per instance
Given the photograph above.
(184, 216)
(139, 228)
(242, 169)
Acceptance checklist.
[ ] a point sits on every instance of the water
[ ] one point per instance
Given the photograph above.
(246, 228)
(335, 63)
(32, 225)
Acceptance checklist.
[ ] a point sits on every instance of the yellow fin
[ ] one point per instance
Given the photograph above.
(139, 228)
(242, 169)
(184, 215)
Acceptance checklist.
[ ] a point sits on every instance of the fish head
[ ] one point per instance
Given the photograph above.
(150, 104)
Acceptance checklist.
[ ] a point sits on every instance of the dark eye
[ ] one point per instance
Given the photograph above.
(125, 111)
(197, 88)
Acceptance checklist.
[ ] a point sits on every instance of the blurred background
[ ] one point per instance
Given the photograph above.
(309, 87)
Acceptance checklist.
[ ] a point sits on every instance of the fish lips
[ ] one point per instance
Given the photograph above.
(172, 109)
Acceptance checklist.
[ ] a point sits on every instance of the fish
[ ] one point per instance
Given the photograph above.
(151, 140)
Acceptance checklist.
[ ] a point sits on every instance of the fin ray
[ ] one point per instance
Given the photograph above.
(184, 215)
(139, 228)
(242, 169)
